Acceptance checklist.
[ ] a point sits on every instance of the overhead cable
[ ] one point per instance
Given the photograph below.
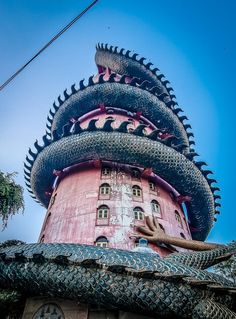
(47, 45)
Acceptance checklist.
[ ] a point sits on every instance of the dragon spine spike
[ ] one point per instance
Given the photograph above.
(182, 118)
(139, 130)
(49, 120)
(172, 96)
(66, 95)
(141, 61)
(29, 168)
(31, 153)
(134, 56)
(101, 79)
(106, 46)
(28, 185)
(217, 212)
(37, 146)
(187, 126)
(200, 164)
(29, 160)
(217, 205)
(27, 173)
(111, 49)
(191, 143)
(60, 100)
(73, 89)
(108, 125)
(211, 181)
(160, 76)
(169, 104)
(148, 65)
(189, 134)
(91, 80)
(169, 89)
(155, 70)
(178, 110)
(123, 79)
(215, 189)
(191, 155)
(216, 196)
(46, 141)
(77, 128)
(127, 53)
(115, 50)
(123, 127)
(27, 179)
(92, 125)
(48, 126)
(121, 51)
(81, 85)
(206, 172)
(56, 108)
(112, 77)
(165, 82)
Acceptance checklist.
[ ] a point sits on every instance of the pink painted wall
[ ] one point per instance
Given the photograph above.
(72, 215)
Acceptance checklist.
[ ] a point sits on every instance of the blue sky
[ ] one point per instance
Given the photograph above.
(191, 42)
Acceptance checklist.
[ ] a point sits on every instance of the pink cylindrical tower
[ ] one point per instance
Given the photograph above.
(103, 203)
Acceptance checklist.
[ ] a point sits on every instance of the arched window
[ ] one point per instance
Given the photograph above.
(101, 242)
(152, 186)
(178, 218)
(106, 172)
(103, 212)
(182, 235)
(105, 189)
(136, 173)
(137, 191)
(155, 207)
(138, 213)
(49, 311)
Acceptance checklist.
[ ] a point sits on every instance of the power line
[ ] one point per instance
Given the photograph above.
(47, 45)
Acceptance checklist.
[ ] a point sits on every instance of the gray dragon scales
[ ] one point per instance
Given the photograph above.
(132, 281)
(177, 286)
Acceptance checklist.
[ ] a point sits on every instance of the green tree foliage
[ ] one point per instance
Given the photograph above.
(11, 197)
(227, 269)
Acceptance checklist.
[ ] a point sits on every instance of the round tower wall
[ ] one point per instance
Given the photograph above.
(73, 215)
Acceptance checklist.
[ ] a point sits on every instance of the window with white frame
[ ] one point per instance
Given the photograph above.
(105, 189)
(102, 212)
(101, 242)
(155, 207)
(152, 186)
(137, 191)
(106, 172)
(138, 213)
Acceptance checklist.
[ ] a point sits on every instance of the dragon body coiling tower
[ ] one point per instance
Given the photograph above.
(117, 165)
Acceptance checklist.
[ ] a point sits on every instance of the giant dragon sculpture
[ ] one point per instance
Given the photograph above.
(177, 286)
